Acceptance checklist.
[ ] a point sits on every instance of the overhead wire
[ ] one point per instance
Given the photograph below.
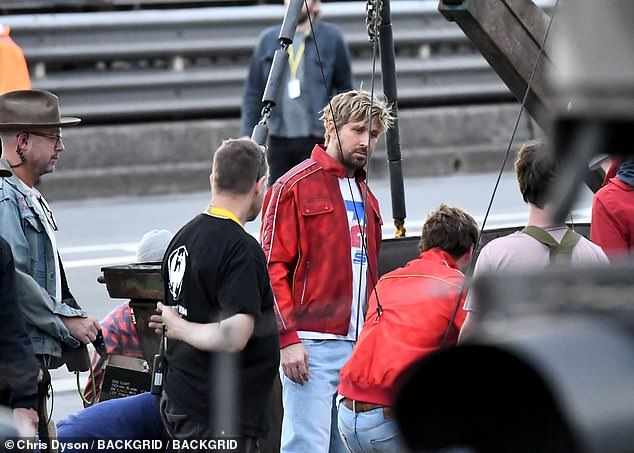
(364, 195)
(472, 261)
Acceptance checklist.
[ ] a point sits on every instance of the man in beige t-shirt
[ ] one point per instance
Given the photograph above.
(536, 170)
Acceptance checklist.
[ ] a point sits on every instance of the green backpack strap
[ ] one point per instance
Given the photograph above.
(559, 251)
(567, 244)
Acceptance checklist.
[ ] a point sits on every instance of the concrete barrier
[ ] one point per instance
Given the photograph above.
(455, 113)
(175, 157)
(153, 65)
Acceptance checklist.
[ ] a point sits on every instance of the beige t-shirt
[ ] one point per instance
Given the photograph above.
(520, 251)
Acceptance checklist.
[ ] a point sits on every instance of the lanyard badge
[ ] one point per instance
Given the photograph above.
(294, 61)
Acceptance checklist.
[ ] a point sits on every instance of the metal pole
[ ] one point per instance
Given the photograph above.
(392, 136)
(279, 66)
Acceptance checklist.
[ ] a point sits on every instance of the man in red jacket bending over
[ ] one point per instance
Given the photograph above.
(409, 313)
(321, 232)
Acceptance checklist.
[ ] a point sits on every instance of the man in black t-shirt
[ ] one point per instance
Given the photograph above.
(222, 348)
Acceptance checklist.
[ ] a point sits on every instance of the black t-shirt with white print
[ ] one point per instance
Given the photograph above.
(213, 269)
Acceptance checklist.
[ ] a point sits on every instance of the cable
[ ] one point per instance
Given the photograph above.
(471, 266)
(85, 400)
(364, 195)
(50, 413)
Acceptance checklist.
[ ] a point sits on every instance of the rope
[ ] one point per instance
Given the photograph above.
(471, 266)
(364, 195)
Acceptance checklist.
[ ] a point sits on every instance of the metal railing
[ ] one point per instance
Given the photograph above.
(191, 63)
(56, 6)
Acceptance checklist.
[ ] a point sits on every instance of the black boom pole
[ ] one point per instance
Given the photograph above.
(392, 136)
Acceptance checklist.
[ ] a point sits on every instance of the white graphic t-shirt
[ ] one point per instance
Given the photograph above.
(355, 210)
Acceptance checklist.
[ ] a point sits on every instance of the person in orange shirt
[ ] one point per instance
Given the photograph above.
(14, 73)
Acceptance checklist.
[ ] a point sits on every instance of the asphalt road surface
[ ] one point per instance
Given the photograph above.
(105, 232)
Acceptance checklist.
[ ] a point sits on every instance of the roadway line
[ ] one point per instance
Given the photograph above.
(414, 228)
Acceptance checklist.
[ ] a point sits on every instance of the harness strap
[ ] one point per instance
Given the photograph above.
(560, 252)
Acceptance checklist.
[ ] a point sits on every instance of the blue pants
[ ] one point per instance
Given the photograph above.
(132, 417)
(369, 432)
(310, 414)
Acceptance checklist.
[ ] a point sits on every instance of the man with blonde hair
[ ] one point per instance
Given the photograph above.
(321, 233)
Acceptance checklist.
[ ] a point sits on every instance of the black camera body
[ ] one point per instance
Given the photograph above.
(78, 359)
(100, 345)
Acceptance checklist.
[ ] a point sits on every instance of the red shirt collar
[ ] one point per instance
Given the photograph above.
(331, 165)
(438, 254)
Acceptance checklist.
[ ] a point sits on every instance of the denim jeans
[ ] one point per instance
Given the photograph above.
(310, 414)
(366, 432)
(132, 417)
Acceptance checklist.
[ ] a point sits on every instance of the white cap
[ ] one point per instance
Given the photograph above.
(152, 246)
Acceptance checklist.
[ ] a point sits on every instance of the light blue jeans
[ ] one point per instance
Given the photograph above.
(369, 432)
(310, 413)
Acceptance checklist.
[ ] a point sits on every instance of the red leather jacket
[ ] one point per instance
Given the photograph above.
(306, 239)
(418, 301)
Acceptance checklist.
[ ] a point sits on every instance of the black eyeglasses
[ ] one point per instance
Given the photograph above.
(56, 137)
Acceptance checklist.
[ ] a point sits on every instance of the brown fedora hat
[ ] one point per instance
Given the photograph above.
(31, 109)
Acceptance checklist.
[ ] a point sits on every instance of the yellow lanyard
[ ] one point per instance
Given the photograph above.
(295, 60)
(224, 214)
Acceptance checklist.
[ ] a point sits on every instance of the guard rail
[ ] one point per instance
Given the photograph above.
(191, 63)
(56, 6)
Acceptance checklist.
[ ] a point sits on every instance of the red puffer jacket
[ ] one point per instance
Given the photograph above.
(418, 301)
(612, 225)
(306, 240)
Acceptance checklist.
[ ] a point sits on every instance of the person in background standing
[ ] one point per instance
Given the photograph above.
(14, 72)
(294, 124)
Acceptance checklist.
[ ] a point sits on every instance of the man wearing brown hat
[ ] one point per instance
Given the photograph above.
(30, 130)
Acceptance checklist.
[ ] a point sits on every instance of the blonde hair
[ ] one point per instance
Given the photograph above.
(353, 106)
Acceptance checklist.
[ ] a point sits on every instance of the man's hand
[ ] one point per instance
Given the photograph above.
(83, 330)
(166, 318)
(26, 420)
(294, 363)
